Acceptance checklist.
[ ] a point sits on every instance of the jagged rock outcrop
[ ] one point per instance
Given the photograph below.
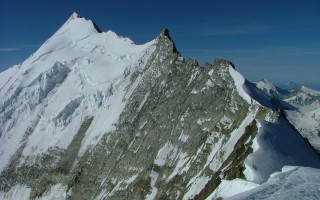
(141, 121)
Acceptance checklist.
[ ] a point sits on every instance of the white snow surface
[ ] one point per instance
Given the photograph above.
(197, 183)
(291, 183)
(196, 187)
(307, 121)
(266, 86)
(18, 191)
(79, 73)
(310, 91)
(56, 192)
(306, 118)
(277, 144)
(76, 74)
(248, 91)
(166, 154)
(228, 188)
(239, 81)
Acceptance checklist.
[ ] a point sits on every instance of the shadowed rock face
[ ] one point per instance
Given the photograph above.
(183, 129)
(172, 134)
(167, 131)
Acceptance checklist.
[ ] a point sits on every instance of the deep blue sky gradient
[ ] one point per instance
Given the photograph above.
(275, 39)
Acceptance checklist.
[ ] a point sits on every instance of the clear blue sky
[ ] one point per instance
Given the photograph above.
(274, 39)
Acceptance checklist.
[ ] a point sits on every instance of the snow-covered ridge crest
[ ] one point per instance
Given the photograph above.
(74, 16)
(79, 23)
(94, 116)
(248, 91)
(239, 81)
(74, 75)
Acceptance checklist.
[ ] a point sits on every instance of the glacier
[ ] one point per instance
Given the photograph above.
(92, 115)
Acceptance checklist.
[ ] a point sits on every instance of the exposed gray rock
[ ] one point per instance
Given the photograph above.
(177, 137)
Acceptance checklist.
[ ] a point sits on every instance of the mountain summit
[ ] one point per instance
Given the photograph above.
(91, 115)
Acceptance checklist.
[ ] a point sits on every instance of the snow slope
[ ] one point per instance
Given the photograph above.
(77, 72)
(301, 106)
(306, 118)
(249, 91)
(291, 183)
(270, 89)
(229, 188)
(20, 192)
(84, 75)
(276, 145)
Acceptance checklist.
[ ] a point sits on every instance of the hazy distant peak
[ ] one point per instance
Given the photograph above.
(265, 84)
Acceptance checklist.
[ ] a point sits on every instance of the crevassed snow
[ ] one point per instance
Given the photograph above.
(277, 144)
(297, 183)
(306, 118)
(75, 74)
(6, 75)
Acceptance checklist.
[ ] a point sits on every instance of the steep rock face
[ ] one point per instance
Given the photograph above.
(114, 120)
(166, 138)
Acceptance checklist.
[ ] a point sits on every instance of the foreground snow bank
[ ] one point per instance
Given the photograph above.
(276, 145)
(291, 183)
(229, 188)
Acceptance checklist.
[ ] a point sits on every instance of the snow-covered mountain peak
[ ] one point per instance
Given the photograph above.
(309, 91)
(77, 27)
(266, 85)
(80, 69)
(74, 16)
(92, 108)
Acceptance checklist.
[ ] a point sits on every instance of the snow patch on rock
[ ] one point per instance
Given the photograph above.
(18, 191)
